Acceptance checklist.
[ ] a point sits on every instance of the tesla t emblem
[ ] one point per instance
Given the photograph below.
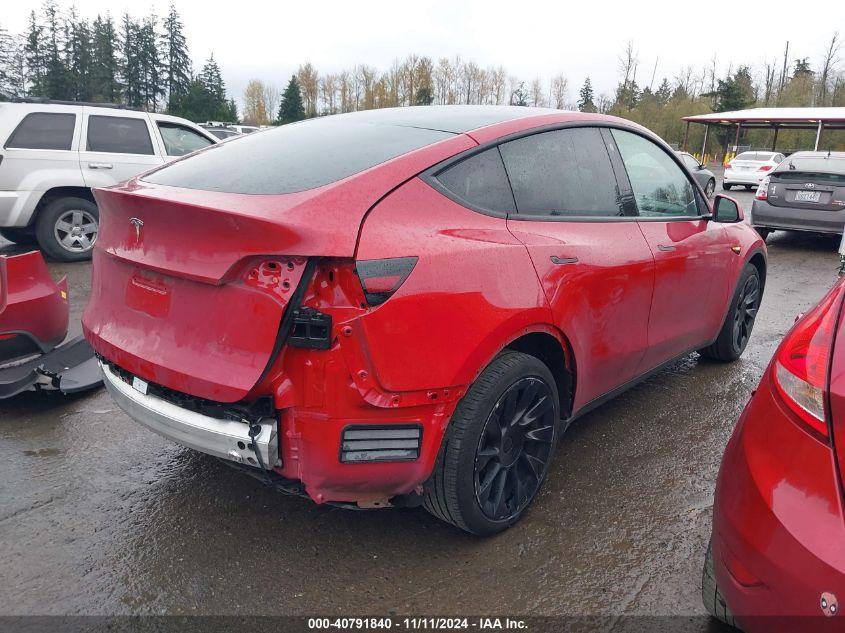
(137, 223)
(809, 185)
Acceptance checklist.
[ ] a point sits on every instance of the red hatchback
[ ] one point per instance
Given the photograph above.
(410, 305)
(777, 555)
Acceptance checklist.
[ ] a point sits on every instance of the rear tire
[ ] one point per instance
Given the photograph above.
(726, 186)
(739, 321)
(19, 236)
(710, 594)
(748, 187)
(497, 449)
(67, 228)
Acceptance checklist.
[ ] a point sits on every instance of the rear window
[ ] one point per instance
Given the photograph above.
(764, 156)
(118, 135)
(798, 168)
(294, 157)
(44, 130)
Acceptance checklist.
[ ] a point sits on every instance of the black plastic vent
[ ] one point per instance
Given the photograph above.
(311, 329)
(369, 443)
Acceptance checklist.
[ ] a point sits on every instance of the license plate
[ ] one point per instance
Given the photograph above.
(807, 196)
(140, 385)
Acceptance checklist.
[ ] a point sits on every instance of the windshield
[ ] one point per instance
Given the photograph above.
(758, 156)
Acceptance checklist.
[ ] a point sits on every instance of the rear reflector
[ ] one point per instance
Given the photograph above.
(763, 189)
(382, 277)
(802, 362)
(368, 443)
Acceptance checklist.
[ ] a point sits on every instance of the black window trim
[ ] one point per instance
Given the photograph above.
(160, 122)
(42, 149)
(144, 119)
(429, 176)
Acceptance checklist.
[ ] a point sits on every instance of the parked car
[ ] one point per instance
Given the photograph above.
(222, 132)
(806, 192)
(749, 168)
(704, 177)
(246, 129)
(411, 305)
(776, 555)
(54, 153)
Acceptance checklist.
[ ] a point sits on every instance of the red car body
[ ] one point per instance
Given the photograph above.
(190, 287)
(778, 543)
(33, 308)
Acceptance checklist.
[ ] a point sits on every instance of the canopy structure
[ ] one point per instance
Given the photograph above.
(772, 119)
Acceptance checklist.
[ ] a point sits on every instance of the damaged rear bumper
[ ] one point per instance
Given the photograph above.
(69, 368)
(227, 439)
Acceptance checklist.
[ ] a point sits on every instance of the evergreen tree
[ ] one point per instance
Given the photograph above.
(130, 65)
(291, 108)
(230, 111)
(6, 55)
(585, 97)
(212, 79)
(104, 65)
(34, 55)
(177, 63)
(78, 78)
(56, 85)
(664, 92)
(149, 64)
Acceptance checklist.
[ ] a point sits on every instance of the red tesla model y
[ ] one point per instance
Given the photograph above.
(410, 305)
(777, 555)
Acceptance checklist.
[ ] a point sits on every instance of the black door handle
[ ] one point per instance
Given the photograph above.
(564, 260)
(665, 248)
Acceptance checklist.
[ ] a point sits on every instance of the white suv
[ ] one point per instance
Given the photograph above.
(52, 154)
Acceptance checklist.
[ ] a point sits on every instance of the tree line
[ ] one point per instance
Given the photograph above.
(138, 62)
(145, 63)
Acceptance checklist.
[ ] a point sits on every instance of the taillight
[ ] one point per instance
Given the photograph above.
(765, 168)
(763, 189)
(382, 277)
(802, 362)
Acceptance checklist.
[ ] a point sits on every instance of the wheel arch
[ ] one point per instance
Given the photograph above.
(553, 350)
(758, 260)
(56, 193)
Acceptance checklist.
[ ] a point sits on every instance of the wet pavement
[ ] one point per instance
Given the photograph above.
(100, 516)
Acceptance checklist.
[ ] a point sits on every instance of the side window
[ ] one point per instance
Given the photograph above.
(180, 140)
(660, 187)
(562, 173)
(44, 130)
(118, 135)
(689, 161)
(481, 181)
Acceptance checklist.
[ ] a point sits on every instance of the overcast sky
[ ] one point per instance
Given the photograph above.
(268, 40)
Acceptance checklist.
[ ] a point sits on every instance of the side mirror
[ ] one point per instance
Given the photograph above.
(700, 167)
(726, 209)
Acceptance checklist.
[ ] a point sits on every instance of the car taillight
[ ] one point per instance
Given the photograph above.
(802, 362)
(765, 168)
(763, 190)
(382, 277)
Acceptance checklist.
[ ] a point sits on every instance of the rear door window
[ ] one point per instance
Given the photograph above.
(44, 130)
(689, 161)
(660, 186)
(480, 181)
(180, 140)
(118, 135)
(562, 173)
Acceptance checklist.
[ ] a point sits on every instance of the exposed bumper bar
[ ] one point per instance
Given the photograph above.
(222, 438)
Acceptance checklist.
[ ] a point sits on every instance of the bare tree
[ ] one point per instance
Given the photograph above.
(559, 88)
(255, 106)
(538, 99)
(829, 62)
(309, 85)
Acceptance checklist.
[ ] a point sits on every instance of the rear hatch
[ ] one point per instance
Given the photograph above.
(817, 191)
(190, 281)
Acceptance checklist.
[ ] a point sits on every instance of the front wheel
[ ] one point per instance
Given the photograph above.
(67, 228)
(742, 312)
(710, 594)
(763, 233)
(710, 188)
(726, 186)
(498, 447)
